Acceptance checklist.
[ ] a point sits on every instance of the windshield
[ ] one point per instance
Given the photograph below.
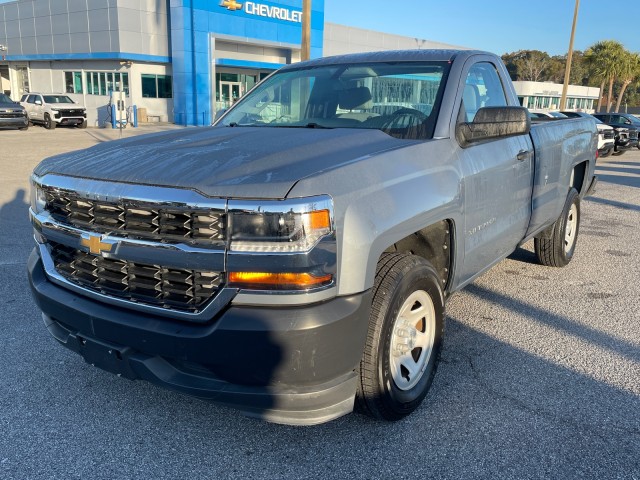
(634, 120)
(5, 99)
(57, 99)
(401, 98)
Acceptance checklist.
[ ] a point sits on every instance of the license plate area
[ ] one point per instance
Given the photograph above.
(107, 357)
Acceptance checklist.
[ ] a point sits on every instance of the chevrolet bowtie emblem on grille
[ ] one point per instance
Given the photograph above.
(231, 5)
(95, 244)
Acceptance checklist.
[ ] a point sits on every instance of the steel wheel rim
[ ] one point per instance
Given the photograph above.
(412, 339)
(570, 230)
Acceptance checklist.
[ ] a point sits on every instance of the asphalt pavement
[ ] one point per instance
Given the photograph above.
(539, 378)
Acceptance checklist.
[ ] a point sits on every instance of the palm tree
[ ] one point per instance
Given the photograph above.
(629, 71)
(602, 60)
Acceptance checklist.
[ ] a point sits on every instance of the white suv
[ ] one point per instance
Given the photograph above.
(53, 109)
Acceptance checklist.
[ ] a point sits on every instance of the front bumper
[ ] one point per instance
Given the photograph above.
(70, 120)
(15, 122)
(626, 144)
(292, 365)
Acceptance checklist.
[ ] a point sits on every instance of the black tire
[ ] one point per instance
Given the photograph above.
(556, 249)
(399, 277)
(48, 123)
(605, 154)
(83, 124)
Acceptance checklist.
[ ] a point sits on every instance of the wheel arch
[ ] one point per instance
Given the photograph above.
(434, 243)
(578, 178)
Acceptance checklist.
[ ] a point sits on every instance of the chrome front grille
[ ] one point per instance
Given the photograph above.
(170, 288)
(139, 220)
(11, 114)
(71, 113)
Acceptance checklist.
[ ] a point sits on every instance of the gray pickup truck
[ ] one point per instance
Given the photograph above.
(293, 260)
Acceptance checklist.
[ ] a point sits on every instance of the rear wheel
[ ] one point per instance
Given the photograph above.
(557, 249)
(404, 339)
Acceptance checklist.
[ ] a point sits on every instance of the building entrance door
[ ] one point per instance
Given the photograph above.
(230, 92)
(5, 84)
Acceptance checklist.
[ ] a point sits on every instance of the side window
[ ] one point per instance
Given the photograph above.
(482, 88)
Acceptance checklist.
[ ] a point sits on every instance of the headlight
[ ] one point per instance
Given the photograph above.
(55, 109)
(279, 226)
(38, 198)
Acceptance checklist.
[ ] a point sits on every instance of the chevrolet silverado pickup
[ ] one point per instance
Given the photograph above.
(293, 260)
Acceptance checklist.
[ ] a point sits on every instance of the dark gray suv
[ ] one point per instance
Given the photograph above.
(622, 120)
(12, 114)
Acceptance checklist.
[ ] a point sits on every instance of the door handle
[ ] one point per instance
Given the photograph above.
(523, 155)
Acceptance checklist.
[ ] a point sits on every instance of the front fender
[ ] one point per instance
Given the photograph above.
(382, 199)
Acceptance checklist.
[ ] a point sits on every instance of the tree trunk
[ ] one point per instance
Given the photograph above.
(624, 87)
(601, 97)
(610, 94)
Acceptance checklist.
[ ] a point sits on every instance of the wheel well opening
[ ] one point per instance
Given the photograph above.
(579, 172)
(433, 243)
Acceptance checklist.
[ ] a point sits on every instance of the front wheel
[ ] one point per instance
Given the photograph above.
(404, 339)
(556, 249)
(48, 123)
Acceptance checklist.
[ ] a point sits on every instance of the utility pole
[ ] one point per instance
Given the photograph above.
(567, 71)
(306, 30)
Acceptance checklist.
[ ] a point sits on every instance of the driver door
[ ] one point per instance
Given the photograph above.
(497, 179)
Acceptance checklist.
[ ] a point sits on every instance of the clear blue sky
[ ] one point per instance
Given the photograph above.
(498, 26)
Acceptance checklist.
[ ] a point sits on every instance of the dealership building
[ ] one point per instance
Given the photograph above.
(179, 60)
(176, 60)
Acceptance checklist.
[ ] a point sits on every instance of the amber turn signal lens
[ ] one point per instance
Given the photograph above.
(277, 281)
(318, 219)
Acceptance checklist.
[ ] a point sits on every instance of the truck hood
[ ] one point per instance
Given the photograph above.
(11, 106)
(233, 162)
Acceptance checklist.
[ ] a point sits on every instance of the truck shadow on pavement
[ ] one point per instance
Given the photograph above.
(15, 229)
(587, 334)
(613, 203)
(493, 403)
(506, 398)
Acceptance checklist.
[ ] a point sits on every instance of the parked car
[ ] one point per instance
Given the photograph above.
(12, 114)
(627, 127)
(606, 134)
(53, 109)
(545, 115)
(290, 266)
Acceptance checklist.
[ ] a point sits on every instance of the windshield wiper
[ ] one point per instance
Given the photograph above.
(308, 125)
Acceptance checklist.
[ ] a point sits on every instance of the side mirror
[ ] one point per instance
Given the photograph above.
(38, 102)
(492, 123)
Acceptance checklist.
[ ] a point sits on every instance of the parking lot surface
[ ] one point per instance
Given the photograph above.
(540, 372)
